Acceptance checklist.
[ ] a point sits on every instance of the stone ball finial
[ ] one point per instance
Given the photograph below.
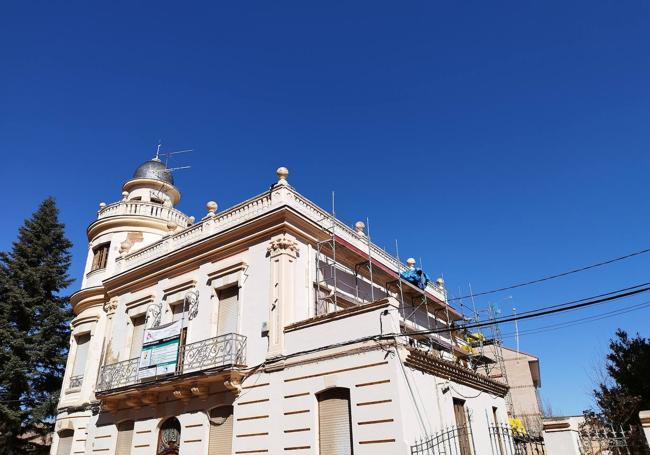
(440, 282)
(212, 207)
(191, 219)
(360, 226)
(282, 174)
(125, 194)
(410, 262)
(102, 205)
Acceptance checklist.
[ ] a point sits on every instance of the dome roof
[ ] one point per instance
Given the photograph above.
(154, 169)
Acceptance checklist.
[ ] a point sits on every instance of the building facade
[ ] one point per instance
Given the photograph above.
(524, 380)
(269, 327)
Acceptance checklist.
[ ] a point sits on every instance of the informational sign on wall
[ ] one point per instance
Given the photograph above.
(159, 350)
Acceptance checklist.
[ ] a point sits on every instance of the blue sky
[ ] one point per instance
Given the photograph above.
(497, 141)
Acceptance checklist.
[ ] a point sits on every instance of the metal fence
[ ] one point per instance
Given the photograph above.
(505, 441)
(449, 441)
(613, 440)
(219, 352)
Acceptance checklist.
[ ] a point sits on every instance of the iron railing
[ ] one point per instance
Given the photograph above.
(76, 381)
(613, 440)
(449, 441)
(118, 374)
(506, 441)
(223, 351)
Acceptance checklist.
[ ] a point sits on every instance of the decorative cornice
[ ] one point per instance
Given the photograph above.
(448, 370)
(86, 298)
(341, 314)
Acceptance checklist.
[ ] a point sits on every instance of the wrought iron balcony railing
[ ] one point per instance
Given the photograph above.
(220, 352)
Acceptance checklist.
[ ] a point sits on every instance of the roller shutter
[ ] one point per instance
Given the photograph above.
(65, 442)
(334, 425)
(136, 338)
(228, 310)
(83, 342)
(124, 438)
(220, 431)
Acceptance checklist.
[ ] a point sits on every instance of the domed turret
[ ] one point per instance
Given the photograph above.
(154, 169)
(152, 182)
(144, 215)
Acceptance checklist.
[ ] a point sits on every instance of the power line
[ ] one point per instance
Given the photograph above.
(578, 321)
(551, 277)
(614, 295)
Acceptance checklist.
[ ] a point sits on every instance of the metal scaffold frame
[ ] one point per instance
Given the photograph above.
(413, 301)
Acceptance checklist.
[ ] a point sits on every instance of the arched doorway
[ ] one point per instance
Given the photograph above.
(169, 437)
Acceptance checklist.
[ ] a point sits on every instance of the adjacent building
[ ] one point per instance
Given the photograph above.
(266, 328)
(524, 380)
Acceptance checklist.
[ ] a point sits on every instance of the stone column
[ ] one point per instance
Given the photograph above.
(283, 251)
(644, 416)
(561, 435)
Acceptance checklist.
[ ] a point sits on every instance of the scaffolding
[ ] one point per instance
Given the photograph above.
(369, 279)
(487, 351)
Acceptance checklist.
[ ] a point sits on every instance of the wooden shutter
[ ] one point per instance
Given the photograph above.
(461, 425)
(335, 432)
(220, 431)
(124, 438)
(65, 442)
(136, 338)
(228, 310)
(100, 256)
(81, 354)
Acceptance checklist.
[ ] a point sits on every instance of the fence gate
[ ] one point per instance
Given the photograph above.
(611, 440)
(505, 441)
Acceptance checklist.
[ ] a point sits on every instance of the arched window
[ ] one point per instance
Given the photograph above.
(169, 438)
(334, 422)
(220, 431)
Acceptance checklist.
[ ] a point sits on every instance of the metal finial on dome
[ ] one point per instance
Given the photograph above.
(282, 174)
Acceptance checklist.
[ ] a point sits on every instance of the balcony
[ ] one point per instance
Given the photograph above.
(216, 355)
(141, 208)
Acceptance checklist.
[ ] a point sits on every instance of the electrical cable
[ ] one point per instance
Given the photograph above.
(543, 311)
(578, 321)
(551, 277)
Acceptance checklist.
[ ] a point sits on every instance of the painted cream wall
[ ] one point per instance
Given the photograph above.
(391, 405)
(427, 408)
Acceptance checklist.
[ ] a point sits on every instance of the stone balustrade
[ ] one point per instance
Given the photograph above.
(265, 202)
(141, 208)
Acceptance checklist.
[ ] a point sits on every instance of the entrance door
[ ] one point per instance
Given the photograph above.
(463, 427)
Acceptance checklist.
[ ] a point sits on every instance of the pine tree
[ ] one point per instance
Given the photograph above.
(627, 390)
(34, 329)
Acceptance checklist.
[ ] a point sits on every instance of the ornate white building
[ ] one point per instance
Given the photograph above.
(266, 328)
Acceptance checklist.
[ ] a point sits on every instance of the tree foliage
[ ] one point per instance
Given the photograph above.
(626, 391)
(34, 329)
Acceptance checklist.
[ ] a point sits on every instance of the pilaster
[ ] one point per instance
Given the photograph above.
(282, 251)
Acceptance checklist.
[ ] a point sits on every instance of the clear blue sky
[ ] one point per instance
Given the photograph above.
(497, 141)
